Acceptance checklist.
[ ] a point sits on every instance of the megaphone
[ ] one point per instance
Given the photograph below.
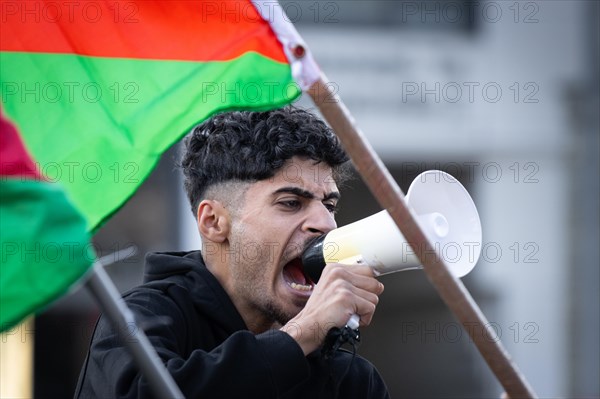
(445, 212)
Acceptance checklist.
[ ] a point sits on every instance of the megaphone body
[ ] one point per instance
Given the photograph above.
(444, 211)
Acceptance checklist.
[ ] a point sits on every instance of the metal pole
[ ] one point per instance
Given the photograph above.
(136, 341)
(390, 197)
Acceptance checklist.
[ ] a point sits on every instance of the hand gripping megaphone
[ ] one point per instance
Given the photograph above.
(444, 211)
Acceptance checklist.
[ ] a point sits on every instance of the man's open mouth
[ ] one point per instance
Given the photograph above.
(294, 276)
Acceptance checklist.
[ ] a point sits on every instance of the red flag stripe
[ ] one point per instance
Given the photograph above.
(188, 30)
(14, 158)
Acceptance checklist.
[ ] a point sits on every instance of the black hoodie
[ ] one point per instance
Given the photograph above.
(207, 348)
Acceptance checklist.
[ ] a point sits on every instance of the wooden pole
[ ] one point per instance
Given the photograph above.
(133, 337)
(390, 197)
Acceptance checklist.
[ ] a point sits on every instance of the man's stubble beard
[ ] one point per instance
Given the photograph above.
(251, 278)
(258, 296)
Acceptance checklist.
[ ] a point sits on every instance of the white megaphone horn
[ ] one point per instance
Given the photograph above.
(444, 211)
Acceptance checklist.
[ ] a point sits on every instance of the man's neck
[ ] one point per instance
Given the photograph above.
(253, 318)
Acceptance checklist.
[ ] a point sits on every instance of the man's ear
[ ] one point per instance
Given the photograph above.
(213, 221)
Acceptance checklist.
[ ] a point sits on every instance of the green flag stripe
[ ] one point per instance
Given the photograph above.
(99, 125)
(45, 246)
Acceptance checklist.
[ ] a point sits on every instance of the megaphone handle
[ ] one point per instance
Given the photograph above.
(353, 322)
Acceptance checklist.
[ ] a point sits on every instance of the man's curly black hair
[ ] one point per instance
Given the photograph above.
(250, 146)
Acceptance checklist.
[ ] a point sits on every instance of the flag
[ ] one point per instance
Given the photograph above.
(45, 243)
(97, 92)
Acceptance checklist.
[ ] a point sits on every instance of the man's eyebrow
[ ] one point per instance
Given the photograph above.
(305, 193)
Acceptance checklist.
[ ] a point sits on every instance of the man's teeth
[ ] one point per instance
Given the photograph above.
(301, 287)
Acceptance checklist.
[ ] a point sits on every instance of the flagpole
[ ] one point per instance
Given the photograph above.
(390, 197)
(132, 336)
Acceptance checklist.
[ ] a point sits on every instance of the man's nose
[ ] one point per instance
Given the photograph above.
(320, 220)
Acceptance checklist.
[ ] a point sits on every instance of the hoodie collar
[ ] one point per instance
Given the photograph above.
(208, 296)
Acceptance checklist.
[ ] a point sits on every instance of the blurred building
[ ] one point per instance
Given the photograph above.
(504, 96)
